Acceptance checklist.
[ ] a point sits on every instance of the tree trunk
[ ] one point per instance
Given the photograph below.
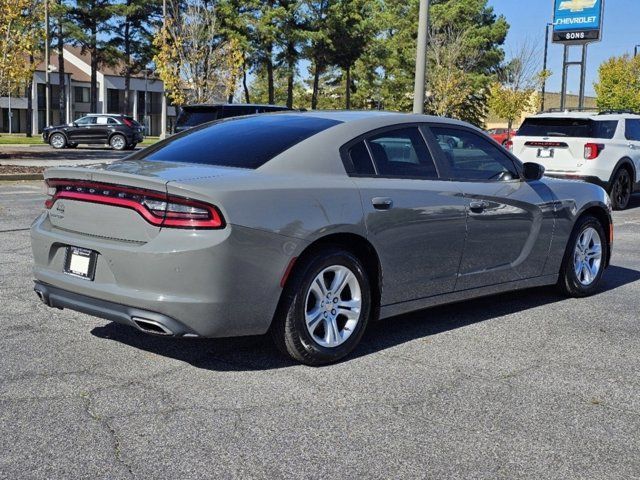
(127, 68)
(348, 89)
(30, 101)
(62, 97)
(94, 69)
(247, 98)
(269, 60)
(316, 85)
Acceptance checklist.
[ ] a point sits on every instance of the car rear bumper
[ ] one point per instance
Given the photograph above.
(216, 283)
(144, 320)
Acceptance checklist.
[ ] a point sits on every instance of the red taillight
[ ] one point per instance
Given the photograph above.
(509, 145)
(156, 208)
(592, 150)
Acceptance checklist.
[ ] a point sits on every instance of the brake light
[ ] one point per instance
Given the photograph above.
(509, 145)
(592, 150)
(156, 208)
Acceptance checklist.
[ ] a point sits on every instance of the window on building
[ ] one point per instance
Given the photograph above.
(82, 94)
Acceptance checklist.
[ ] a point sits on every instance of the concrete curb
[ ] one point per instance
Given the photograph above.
(12, 177)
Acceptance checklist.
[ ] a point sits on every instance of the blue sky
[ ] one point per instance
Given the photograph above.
(528, 17)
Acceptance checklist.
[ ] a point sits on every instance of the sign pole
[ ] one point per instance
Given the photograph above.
(563, 93)
(583, 76)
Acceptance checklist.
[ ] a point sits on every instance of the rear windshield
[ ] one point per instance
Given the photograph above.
(568, 127)
(190, 117)
(243, 142)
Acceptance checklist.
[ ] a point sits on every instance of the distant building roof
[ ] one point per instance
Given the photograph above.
(76, 73)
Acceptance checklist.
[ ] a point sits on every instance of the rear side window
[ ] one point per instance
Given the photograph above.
(361, 160)
(568, 127)
(244, 142)
(190, 117)
(632, 130)
(402, 153)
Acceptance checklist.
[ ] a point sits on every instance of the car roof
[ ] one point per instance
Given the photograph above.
(233, 105)
(592, 115)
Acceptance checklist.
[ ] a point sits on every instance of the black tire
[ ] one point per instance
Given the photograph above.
(132, 146)
(621, 189)
(568, 282)
(289, 330)
(58, 140)
(118, 142)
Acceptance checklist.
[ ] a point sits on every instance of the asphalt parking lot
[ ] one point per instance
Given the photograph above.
(44, 155)
(522, 385)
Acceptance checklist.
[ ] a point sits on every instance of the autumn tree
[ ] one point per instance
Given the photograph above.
(20, 37)
(514, 92)
(195, 62)
(618, 85)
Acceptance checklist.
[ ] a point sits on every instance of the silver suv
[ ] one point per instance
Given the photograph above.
(601, 148)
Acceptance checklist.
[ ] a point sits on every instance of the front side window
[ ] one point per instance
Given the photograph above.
(469, 156)
(402, 153)
(86, 121)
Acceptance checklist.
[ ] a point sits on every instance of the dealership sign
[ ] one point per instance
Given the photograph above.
(577, 21)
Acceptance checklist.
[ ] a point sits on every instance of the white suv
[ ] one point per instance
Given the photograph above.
(601, 148)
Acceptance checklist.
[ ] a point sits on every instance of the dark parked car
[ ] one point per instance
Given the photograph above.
(120, 132)
(192, 115)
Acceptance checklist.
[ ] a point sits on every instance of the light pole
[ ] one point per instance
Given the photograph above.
(421, 57)
(635, 50)
(544, 67)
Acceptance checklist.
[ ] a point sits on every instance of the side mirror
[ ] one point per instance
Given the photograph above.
(533, 171)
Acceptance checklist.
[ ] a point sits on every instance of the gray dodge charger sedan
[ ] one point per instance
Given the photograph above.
(309, 226)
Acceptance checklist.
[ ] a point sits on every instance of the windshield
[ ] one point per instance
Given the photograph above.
(244, 142)
(568, 127)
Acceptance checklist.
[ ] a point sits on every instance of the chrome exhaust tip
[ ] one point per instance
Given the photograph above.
(41, 296)
(151, 326)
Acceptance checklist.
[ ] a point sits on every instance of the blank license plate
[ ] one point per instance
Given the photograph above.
(80, 262)
(545, 153)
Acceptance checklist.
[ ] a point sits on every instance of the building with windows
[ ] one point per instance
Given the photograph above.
(147, 101)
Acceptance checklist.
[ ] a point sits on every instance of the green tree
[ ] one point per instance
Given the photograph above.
(477, 35)
(350, 29)
(618, 85)
(88, 28)
(134, 22)
(317, 50)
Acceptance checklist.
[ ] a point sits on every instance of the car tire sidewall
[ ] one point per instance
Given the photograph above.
(124, 142)
(58, 135)
(296, 315)
(570, 283)
(616, 178)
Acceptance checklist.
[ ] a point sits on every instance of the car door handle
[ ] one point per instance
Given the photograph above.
(382, 203)
(478, 206)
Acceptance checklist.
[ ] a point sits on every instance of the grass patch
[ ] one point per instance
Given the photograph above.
(20, 139)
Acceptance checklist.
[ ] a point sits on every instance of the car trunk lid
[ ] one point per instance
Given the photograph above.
(105, 200)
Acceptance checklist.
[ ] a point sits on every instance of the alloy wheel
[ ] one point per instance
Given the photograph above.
(587, 256)
(57, 141)
(333, 305)
(118, 142)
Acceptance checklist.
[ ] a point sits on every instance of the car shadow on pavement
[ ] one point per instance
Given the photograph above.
(259, 353)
